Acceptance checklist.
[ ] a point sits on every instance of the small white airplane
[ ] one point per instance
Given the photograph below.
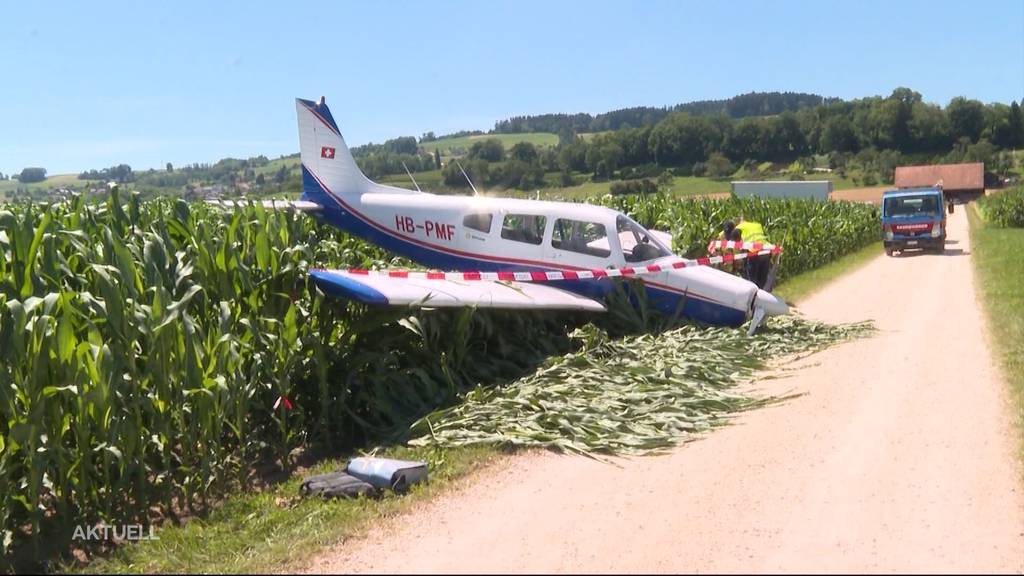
(510, 253)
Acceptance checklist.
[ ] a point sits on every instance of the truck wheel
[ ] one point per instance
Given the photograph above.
(888, 251)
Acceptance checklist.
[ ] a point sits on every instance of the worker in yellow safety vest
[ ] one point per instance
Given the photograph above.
(757, 266)
(751, 231)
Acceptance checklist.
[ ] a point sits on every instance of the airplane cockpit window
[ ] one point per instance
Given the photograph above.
(528, 228)
(478, 222)
(587, 238)
(637, 243)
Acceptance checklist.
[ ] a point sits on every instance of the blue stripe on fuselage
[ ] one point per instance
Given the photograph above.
(664, 300)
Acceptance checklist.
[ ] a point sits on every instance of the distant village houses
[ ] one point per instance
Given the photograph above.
(194, 192)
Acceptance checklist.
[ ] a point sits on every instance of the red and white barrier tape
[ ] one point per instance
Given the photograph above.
(547, 276)
(750, 246)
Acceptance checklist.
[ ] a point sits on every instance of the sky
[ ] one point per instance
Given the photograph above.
(89, 85)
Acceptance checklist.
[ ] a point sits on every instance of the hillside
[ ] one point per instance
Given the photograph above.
(55, 181)
(742, 106)
(460, 145)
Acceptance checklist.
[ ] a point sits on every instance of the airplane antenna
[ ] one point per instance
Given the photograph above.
(475, 191)
(410, 177)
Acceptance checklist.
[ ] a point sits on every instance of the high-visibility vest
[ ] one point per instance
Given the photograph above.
(751, 231)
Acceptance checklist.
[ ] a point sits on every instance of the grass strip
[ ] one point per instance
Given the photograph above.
(996, 253)
(275, 530)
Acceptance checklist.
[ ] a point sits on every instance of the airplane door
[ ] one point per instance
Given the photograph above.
(583, 244)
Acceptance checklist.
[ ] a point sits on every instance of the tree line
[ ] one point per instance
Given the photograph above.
(744, 105)
(121, 173)
(377, 160)
(488, 163)
(901, 123)
(873, 135)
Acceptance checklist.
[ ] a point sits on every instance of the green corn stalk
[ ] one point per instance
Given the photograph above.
(143, 344)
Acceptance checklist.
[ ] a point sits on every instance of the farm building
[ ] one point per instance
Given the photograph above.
(814, 189)
(960, 179)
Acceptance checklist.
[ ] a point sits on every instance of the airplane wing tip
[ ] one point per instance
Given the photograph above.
(436, 293)
(344, 286)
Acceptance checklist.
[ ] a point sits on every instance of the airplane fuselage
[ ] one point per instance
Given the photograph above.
(472, 233)
(476, 233)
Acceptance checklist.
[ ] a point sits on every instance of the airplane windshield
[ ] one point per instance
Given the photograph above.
(638, 245)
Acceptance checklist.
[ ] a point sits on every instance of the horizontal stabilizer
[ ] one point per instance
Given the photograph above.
(300, 205)
(429, 293)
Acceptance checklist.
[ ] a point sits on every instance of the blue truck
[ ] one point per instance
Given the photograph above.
(914, 218)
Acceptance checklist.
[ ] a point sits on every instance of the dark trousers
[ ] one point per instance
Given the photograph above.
(758, 268)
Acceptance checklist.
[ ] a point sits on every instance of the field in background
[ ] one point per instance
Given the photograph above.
(433, 181)
(55, 181)
(680, 186)
(273, 166)
(871, 194)
(429, 181)
(462, 144)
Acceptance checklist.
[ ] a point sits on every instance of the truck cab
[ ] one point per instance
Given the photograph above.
(914, 218)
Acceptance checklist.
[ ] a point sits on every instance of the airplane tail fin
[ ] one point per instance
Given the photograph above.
(327, 164)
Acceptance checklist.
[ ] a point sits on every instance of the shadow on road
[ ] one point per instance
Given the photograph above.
(946, 252)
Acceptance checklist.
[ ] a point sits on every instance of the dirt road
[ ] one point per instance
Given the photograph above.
(900, 457)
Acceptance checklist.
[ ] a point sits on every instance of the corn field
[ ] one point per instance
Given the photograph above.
(1004, 209)
(152, 352)
(812, 233)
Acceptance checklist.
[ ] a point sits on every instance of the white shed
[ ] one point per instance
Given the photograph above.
(813, 189)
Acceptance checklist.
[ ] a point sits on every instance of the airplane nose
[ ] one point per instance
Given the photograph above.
(772, 304)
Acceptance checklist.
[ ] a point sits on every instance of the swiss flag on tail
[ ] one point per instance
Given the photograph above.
(327, 152)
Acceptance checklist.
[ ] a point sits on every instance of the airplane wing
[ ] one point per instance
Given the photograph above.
(300, 205)
(448, 293)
